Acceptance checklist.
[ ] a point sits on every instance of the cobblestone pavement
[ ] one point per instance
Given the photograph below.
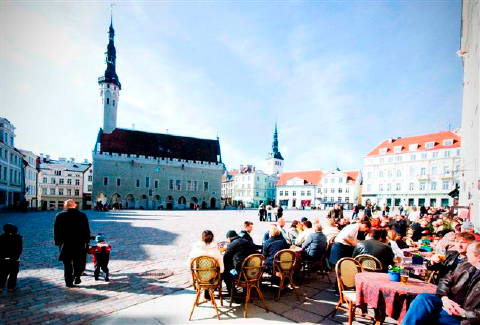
(142, 241)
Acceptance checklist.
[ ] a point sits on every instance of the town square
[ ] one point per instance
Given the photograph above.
(254, 162)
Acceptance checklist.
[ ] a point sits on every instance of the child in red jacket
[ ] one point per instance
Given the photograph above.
(101, 256)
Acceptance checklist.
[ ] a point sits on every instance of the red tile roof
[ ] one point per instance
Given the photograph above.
(311, 176)
(352, 175)
(135, 142)
(420, 140)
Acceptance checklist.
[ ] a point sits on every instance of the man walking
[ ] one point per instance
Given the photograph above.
(72, 234)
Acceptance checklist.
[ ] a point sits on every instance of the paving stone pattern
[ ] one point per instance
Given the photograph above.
(142, 241)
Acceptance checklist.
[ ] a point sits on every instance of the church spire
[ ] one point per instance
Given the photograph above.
(110, 75)
(276, 154)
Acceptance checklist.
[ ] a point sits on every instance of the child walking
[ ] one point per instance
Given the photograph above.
(101, 256)
(10, 251)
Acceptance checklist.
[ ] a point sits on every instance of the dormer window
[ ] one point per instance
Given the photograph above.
(413, 147)
(447, 142)
(429, 145)
(397, 149)
(383, 151)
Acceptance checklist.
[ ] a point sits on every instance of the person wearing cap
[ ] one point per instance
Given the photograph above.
(237, 250)
(10, 251)
(72, 235)
(101, 256)
(467, 226)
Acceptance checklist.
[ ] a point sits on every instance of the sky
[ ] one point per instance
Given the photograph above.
(339, 77)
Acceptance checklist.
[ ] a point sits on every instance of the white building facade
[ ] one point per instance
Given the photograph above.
(414, 171)
(12, 178)
(31, 178)
(342, 187)
(470, 131)
(251, 187)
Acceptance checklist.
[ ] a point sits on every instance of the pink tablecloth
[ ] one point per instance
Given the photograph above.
(389, 298)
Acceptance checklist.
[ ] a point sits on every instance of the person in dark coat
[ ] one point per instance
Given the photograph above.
(279, 213)
(274, 244)
(10, 251)
(452, 257)
(373, 246)
(245, 233)
(315, 246)
(457, 300)
(399, 224)
(336, 213)
(72, 235)
(238, 249)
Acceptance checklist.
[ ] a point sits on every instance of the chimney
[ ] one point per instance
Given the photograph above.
(390, 140)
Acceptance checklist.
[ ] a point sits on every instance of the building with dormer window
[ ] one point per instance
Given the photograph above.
(414, 171)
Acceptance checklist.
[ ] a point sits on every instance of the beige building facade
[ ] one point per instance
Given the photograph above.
(59, 180)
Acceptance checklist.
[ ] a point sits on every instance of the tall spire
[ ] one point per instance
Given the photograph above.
(111, 56)
(276, 154)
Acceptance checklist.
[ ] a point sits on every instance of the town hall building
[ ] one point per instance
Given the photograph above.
(142, 170)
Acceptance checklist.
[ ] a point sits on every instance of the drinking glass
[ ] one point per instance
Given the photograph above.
(404, 275)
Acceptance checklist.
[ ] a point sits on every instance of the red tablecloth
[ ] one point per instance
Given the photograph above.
(389, 298)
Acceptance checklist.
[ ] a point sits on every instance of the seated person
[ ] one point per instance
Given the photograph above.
(330, 230)
(315, 246)
(373, 246)
(453, 257)
(245, 233)
(393, 237)
(399, 224)
(307, 230)
(456, 300)
(283, 231)
(293, 231)
(275, 243)
(420, 229)
(207, 247)
(238, 249)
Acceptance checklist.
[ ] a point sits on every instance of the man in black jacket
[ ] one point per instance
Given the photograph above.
(10, 251)
(457, 300)
(452, 257)
(72, 235)
(238, 249)
(373, 246)
(245, 233)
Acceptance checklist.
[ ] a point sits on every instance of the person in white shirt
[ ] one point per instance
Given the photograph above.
(330, 230)
(206, 247)
(346, 241)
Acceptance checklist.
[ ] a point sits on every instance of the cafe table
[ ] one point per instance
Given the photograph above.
(386, 297)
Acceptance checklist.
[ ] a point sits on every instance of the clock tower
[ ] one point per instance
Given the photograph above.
(275, 159)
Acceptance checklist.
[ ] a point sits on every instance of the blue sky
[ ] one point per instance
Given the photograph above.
(339, 77)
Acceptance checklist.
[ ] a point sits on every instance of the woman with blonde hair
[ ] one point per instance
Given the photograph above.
(275, 243)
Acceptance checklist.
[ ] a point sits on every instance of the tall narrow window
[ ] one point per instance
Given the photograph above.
(108, 100)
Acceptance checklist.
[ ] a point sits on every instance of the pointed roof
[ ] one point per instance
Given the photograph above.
(110, 75)
(275, 153)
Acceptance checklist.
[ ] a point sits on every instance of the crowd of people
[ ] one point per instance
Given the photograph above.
(382, 234)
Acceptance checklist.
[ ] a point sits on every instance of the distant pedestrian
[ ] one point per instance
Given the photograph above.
(10, 251)
(72, 235)
(101, 256)
(279, 213)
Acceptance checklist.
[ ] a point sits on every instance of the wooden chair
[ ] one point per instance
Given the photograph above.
(369, 263)
(432, 277)
(283, 268)
(346, 269)
(248, 278)
(206, 277)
